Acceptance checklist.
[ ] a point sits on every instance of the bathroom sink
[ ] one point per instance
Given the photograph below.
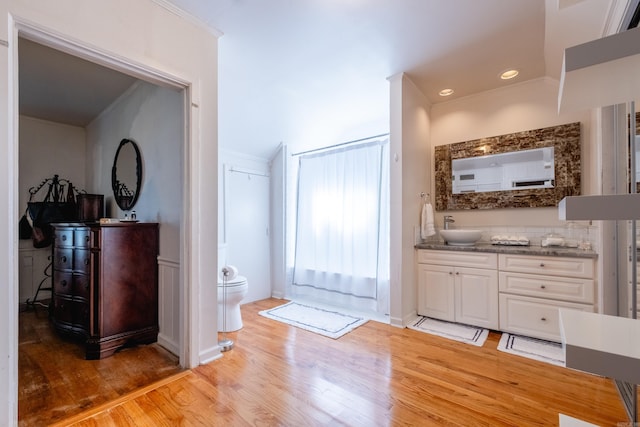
(461, 236)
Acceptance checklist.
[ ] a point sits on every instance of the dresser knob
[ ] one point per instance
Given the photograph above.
(63, 283)
(457, 273)
(544, 319)
(543, 287)
(86, 261)
(542, 264)
(64, 237)
(63, 259)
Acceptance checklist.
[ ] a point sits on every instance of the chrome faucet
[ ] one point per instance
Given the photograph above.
(448, 219)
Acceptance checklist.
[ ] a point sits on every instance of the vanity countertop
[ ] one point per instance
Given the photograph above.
(505, 249)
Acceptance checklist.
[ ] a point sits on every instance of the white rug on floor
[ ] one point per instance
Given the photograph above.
(533, 348)
(329, 323)
(455, 331)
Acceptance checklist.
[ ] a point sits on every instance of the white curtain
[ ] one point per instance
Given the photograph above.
(342, 227)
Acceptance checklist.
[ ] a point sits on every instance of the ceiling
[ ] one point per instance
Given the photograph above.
(63, 88)
(311, 73)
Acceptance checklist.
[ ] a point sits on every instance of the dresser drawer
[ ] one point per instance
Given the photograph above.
(555, 266)
(81, 238)
(62, 309)
(82, 260)
(553, 287)
(81, 284)
(80, 314)
(63, 283)
(72, 313)
(458, 258)
(62, 258)
(534, 317)
(63, 236)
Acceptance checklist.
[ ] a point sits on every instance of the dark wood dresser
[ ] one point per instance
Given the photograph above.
(105, 284)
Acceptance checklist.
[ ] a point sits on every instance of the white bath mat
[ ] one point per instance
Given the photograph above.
(329, 323)
(455, 331)
(533, 348)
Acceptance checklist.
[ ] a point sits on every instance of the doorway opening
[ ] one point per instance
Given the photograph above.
(54, 138)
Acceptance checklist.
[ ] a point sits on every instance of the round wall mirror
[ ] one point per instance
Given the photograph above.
(126, 174)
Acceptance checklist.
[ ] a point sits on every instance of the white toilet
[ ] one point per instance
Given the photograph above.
(236, 291)
(229, 316)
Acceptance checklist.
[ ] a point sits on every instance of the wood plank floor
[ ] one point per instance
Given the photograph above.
(377, 375)
(55, 381)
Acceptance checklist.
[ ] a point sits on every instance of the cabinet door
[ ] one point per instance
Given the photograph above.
(476, 297)
(436, 292)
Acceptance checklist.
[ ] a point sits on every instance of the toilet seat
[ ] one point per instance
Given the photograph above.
(236, 281)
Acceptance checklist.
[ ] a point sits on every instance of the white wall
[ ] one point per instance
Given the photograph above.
(46, 149)
(245, 219)
(152, 117)
(410, 175)
(153, 41)
(515, 108)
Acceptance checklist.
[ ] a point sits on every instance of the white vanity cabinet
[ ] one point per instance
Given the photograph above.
(458, 286)
(533, 288)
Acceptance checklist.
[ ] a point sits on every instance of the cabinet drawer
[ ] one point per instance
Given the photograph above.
(81, 286)
(534, 317)
(81, 238)
(80, 314)
(63, 283)
(82, 260)
(554, 287)
(63, 236)
(62, 309)
(71, 312)
(62, 259)
(555, 266)
(458, 258)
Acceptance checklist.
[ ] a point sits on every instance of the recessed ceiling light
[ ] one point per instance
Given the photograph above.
(445, 92)
(508, 74)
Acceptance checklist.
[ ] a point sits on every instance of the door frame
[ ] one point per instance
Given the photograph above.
(188, 353)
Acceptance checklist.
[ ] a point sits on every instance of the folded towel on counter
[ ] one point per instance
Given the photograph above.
(427, 227)
(509, 240)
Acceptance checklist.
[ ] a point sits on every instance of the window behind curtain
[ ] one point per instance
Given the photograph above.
(341, 245)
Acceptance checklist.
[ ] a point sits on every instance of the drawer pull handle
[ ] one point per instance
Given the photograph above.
(64, 237)
(543, 287)
(451, 273)
(542, 264)
(63, 283)
(544, 319)
(86, 261)
(63, 259)
(457, 272)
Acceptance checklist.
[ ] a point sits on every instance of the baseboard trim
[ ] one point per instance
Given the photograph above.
(168, 344)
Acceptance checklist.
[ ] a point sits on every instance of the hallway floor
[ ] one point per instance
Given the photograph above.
(55, 381)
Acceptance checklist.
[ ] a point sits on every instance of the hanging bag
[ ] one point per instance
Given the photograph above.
(24, 226)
